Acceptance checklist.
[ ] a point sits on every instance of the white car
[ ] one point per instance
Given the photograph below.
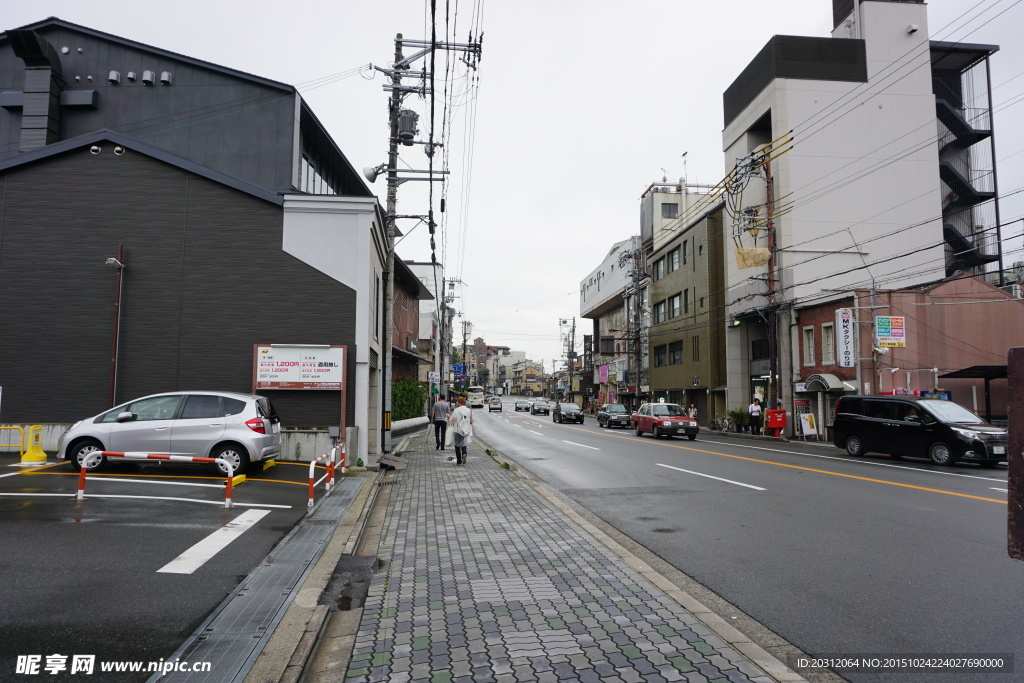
(240, 428)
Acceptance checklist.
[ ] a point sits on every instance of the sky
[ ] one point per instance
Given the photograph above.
(575, 108)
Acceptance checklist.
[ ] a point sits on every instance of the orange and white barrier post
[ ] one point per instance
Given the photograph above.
(328, 476)
(159, 456)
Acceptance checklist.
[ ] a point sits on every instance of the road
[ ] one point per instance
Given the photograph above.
(837, 555)
(128, 573)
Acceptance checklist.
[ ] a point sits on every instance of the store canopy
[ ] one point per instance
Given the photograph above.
(825, 381)
(985, 372)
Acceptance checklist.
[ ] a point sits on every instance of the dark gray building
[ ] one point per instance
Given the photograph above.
(241, 221)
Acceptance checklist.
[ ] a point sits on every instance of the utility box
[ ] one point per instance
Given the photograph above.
(775, 422)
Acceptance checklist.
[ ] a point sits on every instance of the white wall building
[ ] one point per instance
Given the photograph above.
(858, 199)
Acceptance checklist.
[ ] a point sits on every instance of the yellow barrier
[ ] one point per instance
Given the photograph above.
(35, 452)
(20, 444)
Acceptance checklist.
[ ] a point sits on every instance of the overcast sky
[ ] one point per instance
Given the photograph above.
(579, 106)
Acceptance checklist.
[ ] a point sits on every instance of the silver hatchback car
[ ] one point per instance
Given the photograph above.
(241, 428)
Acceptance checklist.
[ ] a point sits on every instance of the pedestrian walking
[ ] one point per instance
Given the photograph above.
(440, 413)
(754, 410)
(462, 424)
(693, 411)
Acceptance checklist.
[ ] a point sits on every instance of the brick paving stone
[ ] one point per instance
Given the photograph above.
(483, 581)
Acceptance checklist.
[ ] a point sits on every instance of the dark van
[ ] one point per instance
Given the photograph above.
(939, 430)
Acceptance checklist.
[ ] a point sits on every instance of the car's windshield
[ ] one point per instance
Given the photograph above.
(540, 403)
(947, 411)
(615, 408)
(570, 406)
(667, 409)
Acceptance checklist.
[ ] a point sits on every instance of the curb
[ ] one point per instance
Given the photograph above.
(757, 654)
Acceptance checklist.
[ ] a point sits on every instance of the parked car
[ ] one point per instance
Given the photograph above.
(567, 412)
(241, 428)
(493, 403)
(613, 415)
(942, 431)
(522, 404)
(664, 419)
(540, 406)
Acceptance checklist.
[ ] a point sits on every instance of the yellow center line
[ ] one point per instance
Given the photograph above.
(811, 469)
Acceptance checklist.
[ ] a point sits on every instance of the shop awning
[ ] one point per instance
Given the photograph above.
(985, 372)
(826, 381)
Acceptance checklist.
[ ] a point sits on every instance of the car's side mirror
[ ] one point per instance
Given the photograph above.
(125, 416)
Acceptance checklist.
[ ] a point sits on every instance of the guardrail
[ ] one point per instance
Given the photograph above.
(328, 475)
(20, 444)
(157, 456)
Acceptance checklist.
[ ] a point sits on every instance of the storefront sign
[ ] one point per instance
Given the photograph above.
(602, 374)
(807, 426)
(845, 354)
(891, 330)
(299, 367)
(801, 407)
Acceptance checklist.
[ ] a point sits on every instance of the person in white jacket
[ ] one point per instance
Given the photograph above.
(461, 420)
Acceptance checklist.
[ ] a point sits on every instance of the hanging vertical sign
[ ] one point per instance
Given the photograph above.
(845, 354)
(891, 330)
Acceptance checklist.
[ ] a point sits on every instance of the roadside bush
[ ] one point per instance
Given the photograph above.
(738, 418)
(408, 399)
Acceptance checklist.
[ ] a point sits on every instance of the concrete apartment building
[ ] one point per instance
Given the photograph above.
(870, 195)
(607, 295)
(686, 336)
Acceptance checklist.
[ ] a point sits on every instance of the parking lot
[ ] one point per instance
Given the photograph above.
(129, 572)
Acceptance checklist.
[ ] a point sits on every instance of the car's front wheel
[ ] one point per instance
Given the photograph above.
(639, 432)
(691, 437)
(235, 455)
(940, 454)
(81, 452)
(854, 446)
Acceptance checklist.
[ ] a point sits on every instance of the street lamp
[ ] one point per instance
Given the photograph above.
(118, 265)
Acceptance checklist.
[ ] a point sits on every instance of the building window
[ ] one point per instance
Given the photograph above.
(686, 252)
(808, 346)
(686, 301)
(673, 259)
(659, 356)
(702, 302)
(659, 269)
(607, 346)
(700, 250)
(669, 210)
(659, 312)
(695, 345)
(675, 353)
(828, 344)
(674, 306)
(759, 349)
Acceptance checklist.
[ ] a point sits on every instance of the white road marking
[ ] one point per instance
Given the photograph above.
(533, 432)
(581, 445)
(199, 554)
(728, 481)
(184, 500)
(995, 489)
(519, 426)
(860, 462)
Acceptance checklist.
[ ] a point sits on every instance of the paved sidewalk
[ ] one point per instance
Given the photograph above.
(485, 580)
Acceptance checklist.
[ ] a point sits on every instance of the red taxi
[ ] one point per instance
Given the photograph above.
(664, 419)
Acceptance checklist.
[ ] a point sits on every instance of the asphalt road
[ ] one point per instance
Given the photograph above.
(99, 576)
(839, 556)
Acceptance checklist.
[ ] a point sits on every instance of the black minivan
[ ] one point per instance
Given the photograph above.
(939, 430)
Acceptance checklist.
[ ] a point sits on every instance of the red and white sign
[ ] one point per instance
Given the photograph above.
(299, 367)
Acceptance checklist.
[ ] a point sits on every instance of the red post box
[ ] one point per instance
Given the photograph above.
(775, 422)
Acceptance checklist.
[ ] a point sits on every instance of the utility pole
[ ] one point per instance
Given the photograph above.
(403, 126)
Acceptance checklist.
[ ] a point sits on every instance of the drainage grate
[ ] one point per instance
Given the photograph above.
(389, 483)
(324, 522)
